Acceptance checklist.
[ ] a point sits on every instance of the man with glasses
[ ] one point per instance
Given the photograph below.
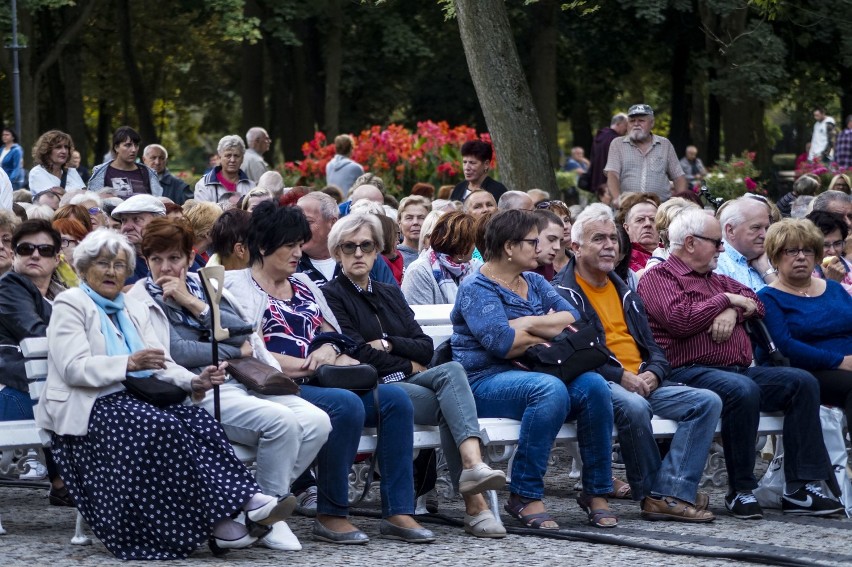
(134, 214)
(744, 225)
(698, 318)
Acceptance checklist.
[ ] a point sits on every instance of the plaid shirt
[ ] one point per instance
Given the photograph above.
(843, 149)
(396, 376)
(646, 173)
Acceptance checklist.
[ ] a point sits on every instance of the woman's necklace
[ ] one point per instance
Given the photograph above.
(801, 291)
(513, 289)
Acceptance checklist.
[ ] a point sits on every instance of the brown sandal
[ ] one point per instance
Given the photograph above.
(620, 490)
(597, 515)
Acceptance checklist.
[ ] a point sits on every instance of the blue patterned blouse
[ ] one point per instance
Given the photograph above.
(289, 325)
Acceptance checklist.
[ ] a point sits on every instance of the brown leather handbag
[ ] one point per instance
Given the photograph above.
(260, 377)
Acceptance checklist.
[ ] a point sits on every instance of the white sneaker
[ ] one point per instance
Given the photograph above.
(306, 502)
(281, 538)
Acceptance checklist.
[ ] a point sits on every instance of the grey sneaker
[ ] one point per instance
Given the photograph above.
(306, 502)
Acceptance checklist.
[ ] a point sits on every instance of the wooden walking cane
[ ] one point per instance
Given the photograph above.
(213, 281)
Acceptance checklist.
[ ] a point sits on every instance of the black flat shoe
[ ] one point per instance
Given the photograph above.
(61, 497)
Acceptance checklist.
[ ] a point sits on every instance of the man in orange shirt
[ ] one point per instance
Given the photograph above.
(637, 371)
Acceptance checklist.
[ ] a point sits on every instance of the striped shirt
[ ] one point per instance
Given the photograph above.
(682, 304)
(650, 172)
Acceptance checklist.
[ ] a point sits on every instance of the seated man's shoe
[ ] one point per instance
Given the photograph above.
(410, 535)
(810, 500)
(673, 509)
(743, 505)
(281, 538)
(484, 525)
(480, 478)
(306, 504)
(322, 533)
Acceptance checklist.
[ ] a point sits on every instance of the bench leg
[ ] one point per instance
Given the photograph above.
(494, 505)
(80, 538)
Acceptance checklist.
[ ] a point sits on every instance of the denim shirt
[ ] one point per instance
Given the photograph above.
(481, 333)
(735, 266)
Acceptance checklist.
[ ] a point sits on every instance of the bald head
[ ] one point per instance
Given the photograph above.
(369, 192)
(515, 200)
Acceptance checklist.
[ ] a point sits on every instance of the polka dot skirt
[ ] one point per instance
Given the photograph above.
(151, 482)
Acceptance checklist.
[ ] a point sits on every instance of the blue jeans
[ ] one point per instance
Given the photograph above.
(745, 392)
(15, 405)
(543, 403)
(697, 413)
(349, 414)
(442, 397)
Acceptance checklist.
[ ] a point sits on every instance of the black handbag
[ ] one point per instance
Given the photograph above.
(359, 378)
(573, 351)
(155, 391)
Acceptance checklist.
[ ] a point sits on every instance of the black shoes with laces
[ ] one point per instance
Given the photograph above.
(810, 500)
(743, 505)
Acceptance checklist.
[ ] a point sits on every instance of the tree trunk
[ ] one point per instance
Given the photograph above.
(138, 87)
(845, 97)
(504, 95)
(251, 76)
(581, 125)
(698, 122)
(543, 63)
(679, 127)
(333, 68)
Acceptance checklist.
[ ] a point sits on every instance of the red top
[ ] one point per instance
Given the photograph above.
(638, 257)
(396, 267)
(681, 305)
(225, 183)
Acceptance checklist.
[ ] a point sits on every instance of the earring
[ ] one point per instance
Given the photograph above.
(510, 258)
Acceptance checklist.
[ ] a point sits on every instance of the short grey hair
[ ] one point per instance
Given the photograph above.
(511, 200)
(616, 120)
(87, 196)
(801, 206)
(231, 143)
(272, 181)
(593, 213)
(689, 221)
(823, 199)
(734, 212)
(352, 223)
(156, 147)
(414, 201)
(253, 134)
(327, 204)
(94, 245)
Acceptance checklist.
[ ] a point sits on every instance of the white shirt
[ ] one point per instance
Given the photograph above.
(41, 180)
(819, 139)
(326, 267)
(5, 191)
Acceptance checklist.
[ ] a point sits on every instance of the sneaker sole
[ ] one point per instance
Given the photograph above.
(493, 482)
(658, 517)
(743, 516)
(806, 512)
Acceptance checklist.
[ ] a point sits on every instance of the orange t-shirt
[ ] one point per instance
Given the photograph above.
(607, 305)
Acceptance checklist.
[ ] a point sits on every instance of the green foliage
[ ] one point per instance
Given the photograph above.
(732, 178)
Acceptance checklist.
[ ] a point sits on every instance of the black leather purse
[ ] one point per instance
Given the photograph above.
(572, 352)
(155, 391)
(359, 378)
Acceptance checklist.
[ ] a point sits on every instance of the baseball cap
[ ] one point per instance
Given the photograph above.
(639, 110)
(140, 204)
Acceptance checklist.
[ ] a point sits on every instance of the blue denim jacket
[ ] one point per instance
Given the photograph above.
(481, 333)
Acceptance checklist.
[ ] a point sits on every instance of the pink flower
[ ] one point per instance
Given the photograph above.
(750, 184)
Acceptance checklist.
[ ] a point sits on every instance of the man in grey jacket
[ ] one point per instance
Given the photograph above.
(636, 372)
(342, 171)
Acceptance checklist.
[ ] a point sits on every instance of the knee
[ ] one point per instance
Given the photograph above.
(316, 424)
(745, 393)
(710, 403)
(346, 411)
(395, 403)
(807, 384)
(550, 391)
(629, 408)
(454, 372)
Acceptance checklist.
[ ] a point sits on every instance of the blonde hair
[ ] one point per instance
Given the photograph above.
(787, 232)
(202, 217)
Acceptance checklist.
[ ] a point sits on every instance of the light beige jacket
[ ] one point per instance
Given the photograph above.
(78, 368)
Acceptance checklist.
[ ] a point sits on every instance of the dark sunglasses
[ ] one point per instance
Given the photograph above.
(27, 249)
(349, 248)
(560, 204)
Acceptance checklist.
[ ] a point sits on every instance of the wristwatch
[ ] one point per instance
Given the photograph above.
(385, 345)
(769, 272)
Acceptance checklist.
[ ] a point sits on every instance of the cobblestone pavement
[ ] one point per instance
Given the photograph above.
(40, 535)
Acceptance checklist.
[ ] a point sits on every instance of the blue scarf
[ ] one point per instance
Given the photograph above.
(127, 339)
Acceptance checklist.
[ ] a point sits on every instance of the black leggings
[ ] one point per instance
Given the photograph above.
(835, 389)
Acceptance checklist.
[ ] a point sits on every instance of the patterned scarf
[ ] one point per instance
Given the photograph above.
(448, 273)
(179, 315)
(126, 340)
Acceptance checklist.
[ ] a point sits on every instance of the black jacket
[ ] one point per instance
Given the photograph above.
(382, 313)
(634, 315)
(175, 189)
(494, 187)
(23, 313)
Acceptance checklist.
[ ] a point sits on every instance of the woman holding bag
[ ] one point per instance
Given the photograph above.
(287, 430)
(293, 313)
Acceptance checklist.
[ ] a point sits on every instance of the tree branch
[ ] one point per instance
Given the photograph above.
(65, 38)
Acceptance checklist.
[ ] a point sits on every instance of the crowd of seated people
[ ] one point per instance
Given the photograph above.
(109, 275)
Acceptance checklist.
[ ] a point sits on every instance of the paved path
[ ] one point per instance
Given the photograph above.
(39, 535)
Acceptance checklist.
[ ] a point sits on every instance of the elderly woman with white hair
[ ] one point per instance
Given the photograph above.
(182, 485)
(226, 178)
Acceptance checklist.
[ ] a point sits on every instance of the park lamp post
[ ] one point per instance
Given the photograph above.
(16, 72)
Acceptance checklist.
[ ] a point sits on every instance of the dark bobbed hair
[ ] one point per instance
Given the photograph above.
(506, 226)
(272, 227)
(14, 134)
(828, 222)
(229, 229)
(163, 234)
(36, 226)
(454, 234)
(478, 149)
(123, 133)
(390, 231)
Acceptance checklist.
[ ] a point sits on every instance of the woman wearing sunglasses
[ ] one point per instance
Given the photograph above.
(26, 294)
(292, 311)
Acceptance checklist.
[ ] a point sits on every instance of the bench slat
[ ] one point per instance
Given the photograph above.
(432, 314)
(34, 347)
(36, 369)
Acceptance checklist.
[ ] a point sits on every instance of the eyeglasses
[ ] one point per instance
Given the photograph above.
(793, 252)
(717, 242)
(349, 248)
(104, 266)
(27, 249)
(533, 241)
(558, 204)
(837, 244)
(95, 211)
(68, 241)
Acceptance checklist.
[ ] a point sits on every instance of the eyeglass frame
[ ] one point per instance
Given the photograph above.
(353, 246)
(41, 248)
(717, 242)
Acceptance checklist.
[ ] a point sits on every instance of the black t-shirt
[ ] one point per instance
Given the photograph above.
(127, 183)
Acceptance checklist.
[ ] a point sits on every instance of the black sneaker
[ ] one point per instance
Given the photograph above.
(743, 505)
(810, 500)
